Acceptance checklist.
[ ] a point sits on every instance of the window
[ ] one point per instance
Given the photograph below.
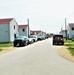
(23, 30)
(14, 26)
(72, 28)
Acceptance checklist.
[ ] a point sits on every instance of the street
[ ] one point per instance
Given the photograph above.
(40, 58)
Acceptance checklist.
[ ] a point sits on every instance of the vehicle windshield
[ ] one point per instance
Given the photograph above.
(20, 37)
(31, 37)
(58, 36)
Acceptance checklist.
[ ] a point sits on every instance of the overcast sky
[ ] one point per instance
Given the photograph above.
(45, 15)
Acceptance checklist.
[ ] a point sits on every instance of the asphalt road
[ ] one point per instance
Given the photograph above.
(40, 58)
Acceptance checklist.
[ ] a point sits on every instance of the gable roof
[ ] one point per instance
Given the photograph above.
(22, 26)
(71, 24)
(5, 20)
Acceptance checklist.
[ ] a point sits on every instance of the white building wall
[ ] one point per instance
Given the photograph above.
(13, 24)
(71, 32)
(60, 33)
(39, 34)
(44, 34)
(4, 32)
(63, 33)
(25, 33)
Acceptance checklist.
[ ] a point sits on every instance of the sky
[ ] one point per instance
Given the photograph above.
(45, 15)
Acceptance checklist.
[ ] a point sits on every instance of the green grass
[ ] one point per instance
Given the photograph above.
(70, 45)
(3, 45)
(6, 44)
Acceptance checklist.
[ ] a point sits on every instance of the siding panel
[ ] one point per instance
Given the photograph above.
(4, 33)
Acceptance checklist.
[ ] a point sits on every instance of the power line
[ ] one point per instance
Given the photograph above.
(71, 15)
(68, 18)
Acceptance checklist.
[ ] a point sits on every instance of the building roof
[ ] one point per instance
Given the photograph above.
(63, 31)
(71, 24)
(6, 20)
(22, 26)
(35, 32)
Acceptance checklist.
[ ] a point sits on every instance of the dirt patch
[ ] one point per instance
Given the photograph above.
(64, 52)
(7, 49)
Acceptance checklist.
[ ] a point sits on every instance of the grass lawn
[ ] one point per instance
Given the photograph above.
(3, 45)
(70, 45)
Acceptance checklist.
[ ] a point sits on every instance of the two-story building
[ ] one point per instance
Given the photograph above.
(8, 30)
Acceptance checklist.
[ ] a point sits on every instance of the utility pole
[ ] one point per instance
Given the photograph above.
(28, 26)
(65, 29)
